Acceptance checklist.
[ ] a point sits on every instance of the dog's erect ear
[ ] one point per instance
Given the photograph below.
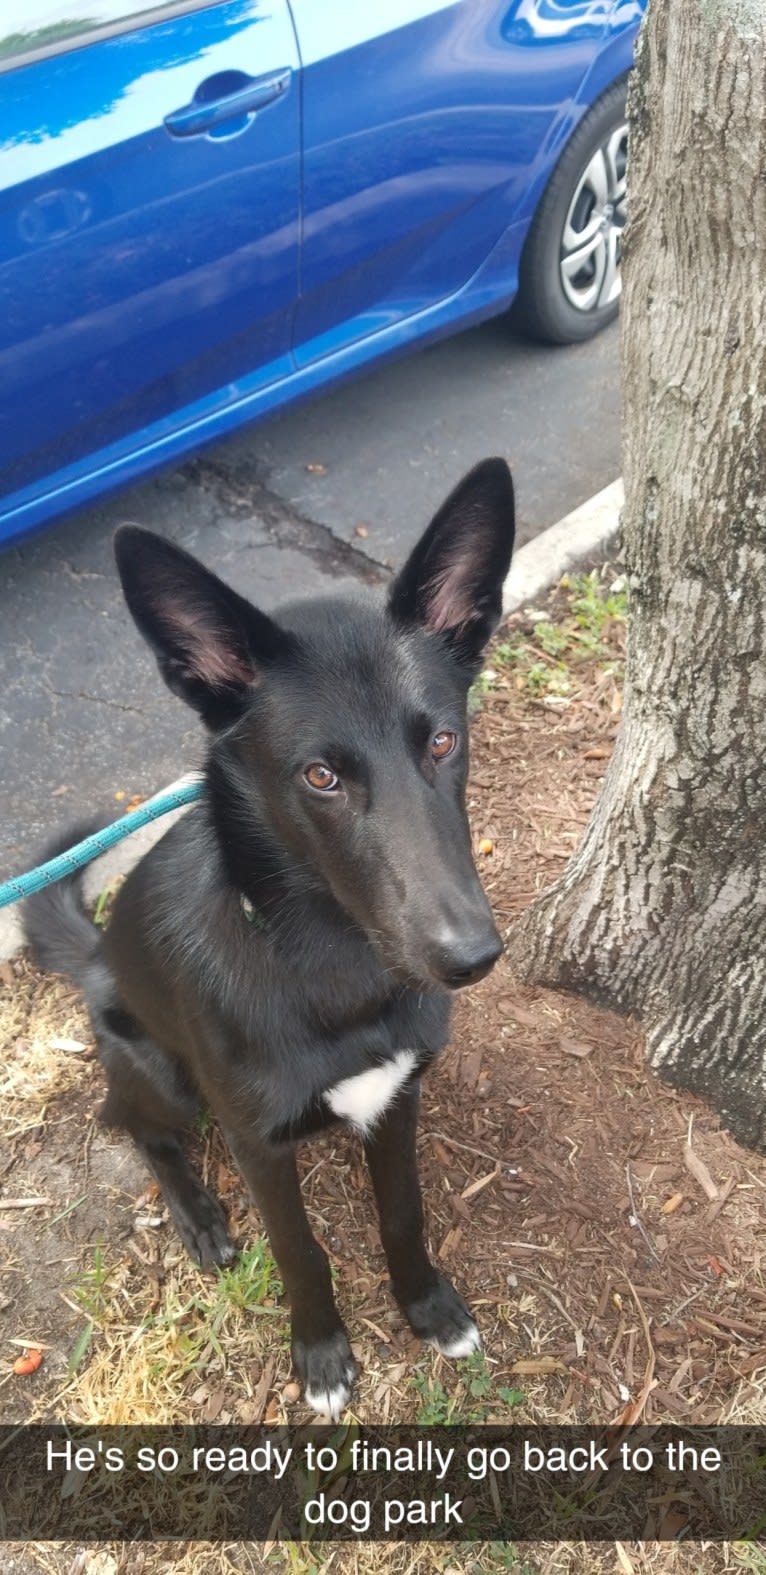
(452, 582)
(211, 645)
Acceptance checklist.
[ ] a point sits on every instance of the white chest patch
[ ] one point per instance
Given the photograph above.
(362, 1099)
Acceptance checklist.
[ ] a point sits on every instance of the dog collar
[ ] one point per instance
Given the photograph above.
(251, 913)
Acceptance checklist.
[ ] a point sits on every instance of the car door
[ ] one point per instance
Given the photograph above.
(422, 123)
(149, 203)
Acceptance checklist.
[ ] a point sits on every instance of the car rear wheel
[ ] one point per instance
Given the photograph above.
(569, 277)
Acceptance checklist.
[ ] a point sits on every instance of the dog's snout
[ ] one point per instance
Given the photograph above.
(458, 960)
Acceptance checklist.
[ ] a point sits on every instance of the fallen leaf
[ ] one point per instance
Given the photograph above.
(252, 1410)
(214, 1405)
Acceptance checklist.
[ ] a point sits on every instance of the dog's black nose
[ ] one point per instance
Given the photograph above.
(459, 963)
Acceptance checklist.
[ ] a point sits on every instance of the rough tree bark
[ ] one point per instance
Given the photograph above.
(662, 910)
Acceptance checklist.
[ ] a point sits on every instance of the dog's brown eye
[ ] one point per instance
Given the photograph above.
(442, 745)
(321, 777)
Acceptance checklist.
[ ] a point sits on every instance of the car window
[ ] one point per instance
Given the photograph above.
(31, 28)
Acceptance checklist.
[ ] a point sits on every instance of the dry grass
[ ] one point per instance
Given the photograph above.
(37, 1017)
(208, 1558)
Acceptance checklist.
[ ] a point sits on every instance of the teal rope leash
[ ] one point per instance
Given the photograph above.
(66, 863)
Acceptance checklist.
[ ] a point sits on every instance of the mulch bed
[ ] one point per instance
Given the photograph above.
(610, 1236)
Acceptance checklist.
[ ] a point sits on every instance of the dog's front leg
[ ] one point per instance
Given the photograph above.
(322, 1355)
(429, 1302)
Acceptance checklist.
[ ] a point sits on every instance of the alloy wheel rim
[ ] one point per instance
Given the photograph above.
(591, 240)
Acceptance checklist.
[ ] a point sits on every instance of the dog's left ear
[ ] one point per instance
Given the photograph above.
(452, 582)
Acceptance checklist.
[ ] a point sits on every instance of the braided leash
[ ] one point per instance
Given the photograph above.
(66, 863)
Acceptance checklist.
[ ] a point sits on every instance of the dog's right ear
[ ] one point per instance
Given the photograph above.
(211, 645)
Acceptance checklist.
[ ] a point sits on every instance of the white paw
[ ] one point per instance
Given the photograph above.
(462, 1344)
(329, 1402)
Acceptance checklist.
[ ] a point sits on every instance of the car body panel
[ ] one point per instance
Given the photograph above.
(615, 56)
(158, 290)
(411, 178)
(141, 271)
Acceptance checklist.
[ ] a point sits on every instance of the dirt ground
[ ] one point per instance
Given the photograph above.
(610, 1237)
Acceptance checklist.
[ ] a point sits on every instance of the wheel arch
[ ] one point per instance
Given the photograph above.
(612, 62)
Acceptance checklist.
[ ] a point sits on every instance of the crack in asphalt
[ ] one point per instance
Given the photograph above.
(240, 489)
(82, 694)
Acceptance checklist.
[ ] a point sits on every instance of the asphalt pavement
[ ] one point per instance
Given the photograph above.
(331, 494)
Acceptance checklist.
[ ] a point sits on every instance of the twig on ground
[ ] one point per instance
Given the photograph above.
(635, 1218)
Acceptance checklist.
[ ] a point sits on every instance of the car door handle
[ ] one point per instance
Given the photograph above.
(215, 101)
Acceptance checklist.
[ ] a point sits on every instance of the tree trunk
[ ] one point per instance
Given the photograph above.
(662, 910)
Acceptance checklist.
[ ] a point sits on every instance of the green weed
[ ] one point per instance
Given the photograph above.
(104, 902)
(593, 606)
(543, 661)
(297, 1558)
(91, 1292)
(91, 1288)
(498, 1557)
(206, 1320)
(750, 1559)
(473, 1401)
(252, 1279)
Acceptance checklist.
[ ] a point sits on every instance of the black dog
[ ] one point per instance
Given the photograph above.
(287, 951)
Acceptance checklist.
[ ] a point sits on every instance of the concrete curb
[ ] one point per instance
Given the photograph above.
(584, 533)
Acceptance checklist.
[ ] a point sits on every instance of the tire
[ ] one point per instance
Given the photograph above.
(569, 275)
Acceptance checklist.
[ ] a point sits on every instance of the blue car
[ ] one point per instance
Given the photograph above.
(209, 210)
